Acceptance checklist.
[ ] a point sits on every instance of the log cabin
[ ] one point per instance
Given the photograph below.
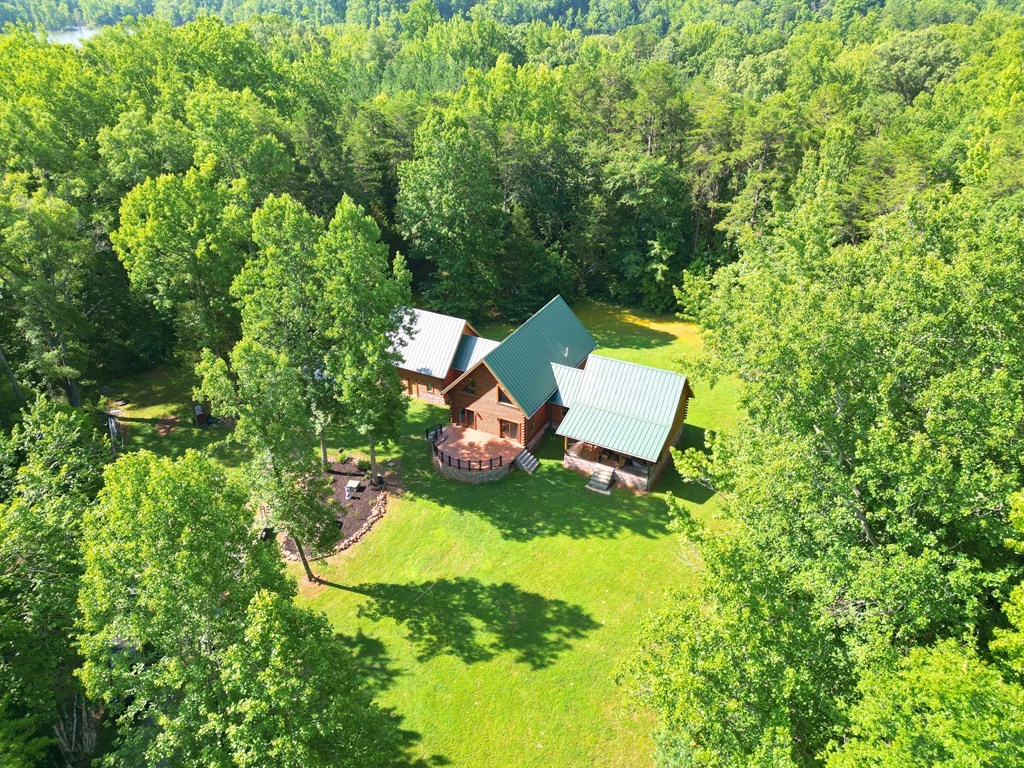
(618, 420)
(506, 392)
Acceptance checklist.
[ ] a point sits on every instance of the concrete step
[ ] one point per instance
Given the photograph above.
(527, 462)
(601, 480)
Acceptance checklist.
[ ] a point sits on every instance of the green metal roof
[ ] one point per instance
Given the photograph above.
(471, 351)
(568, 381)
(522, 362)
(624, 407)
(430, 347)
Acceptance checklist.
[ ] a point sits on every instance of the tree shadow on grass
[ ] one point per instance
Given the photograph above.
(614, 329)
(552, 502)
(376, 669)
(695, 493)
(475, 621)
(389, 743)
(611, 326)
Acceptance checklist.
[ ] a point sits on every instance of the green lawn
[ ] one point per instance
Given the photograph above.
(159, 417)
(499, 614)
(492, 619)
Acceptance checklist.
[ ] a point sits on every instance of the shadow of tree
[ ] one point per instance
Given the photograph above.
(611, 326)
(388, 743)
(476, 621)
(693, 437)
(618, 331)
(551, 502)
(375, 667)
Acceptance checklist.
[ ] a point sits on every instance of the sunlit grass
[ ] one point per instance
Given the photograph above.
(504, 610)
(496, 616)
(159, 417)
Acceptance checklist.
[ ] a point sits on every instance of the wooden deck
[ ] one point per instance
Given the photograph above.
(471, 444)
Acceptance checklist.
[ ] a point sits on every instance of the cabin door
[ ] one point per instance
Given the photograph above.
(467, 418)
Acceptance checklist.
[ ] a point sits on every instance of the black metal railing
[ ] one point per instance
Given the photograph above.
(433, 433)
(467, 465)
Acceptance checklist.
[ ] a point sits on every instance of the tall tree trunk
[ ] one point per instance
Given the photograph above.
(10, 377)
(75, 730)
(321, 433)
(373, 458)
(73, 393)
(70, 385)
(305, 562)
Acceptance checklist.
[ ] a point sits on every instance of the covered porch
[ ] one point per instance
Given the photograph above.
(588, 458)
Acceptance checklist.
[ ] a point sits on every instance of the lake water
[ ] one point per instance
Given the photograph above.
(71, 36)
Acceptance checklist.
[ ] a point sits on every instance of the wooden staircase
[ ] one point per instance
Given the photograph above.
(601, 481)
(527, 462)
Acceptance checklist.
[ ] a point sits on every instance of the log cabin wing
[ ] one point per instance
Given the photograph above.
(622, 415)
(429, 352)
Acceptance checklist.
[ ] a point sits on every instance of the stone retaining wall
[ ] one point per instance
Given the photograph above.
(476, 476)
(627, 479)
(380, 507)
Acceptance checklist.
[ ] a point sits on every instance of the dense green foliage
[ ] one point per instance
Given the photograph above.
(833, 190)
(507, 161)
(192, 642)
(314, 351)
(50, 470)
(871, 487)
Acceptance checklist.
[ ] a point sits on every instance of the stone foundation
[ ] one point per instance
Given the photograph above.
(584, 467)
(476, 476)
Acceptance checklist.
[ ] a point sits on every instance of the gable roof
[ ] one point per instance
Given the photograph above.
(471, 350)
(430, 347)
(522, 362)
(624, 407)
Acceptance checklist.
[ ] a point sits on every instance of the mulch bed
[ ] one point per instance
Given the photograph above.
(358, 508)
(354, 514)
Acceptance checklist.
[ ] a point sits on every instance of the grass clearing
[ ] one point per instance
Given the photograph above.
(501, 612)
(492, 619)
(159, 417)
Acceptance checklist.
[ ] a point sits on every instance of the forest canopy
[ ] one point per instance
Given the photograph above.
(832, 190)
(507, 162)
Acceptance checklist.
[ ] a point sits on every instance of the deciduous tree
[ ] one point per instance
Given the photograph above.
(52, 469)
(370, 298)
(183, 239)
(263, 391)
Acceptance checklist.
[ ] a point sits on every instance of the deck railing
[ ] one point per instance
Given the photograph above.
(467, 465)
(433, 433)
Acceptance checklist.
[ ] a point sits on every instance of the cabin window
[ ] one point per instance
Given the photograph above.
(469, 387)
(509, 429)
(430, 388)
(503, 398)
